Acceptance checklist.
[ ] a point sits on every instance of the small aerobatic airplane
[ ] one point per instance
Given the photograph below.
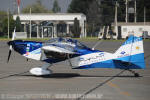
(129, 56)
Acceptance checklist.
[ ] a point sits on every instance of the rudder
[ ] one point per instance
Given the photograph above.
(132, 51)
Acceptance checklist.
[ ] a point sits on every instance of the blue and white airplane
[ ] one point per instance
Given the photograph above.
(129, 56)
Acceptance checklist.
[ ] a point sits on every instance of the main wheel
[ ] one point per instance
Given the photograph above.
(40, 71)
(136, 75)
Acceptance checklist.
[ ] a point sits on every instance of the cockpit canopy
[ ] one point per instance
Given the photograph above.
(66, 42)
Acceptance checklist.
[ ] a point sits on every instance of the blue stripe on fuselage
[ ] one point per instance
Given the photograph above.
(26, 46)
(86, 51)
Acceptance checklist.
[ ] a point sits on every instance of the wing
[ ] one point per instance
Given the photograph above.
(58, 49)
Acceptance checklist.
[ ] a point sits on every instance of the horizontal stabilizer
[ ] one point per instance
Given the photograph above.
(128, 65)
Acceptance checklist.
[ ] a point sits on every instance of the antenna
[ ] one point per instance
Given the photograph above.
(93, 48)
(18, 4)
(14, 6)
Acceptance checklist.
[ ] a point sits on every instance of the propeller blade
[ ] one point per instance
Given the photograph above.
(9, 54)
(14, 34)
(10, 50)
(10, 43)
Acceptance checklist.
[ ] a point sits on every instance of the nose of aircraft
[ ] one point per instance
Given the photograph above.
(10, 43)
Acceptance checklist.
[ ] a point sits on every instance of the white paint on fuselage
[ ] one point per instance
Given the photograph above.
(91, 58)
(36, 54)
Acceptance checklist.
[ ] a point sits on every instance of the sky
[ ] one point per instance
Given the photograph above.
(5, 4)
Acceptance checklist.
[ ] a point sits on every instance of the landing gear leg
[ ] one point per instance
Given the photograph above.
(135, 74)
(39, 71)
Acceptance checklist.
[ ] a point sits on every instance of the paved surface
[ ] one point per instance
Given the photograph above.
(67, 84)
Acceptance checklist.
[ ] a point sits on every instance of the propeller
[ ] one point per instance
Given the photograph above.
(10, 43)
(10, 50)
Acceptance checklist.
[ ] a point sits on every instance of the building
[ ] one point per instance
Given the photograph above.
(51, 25)
(126, 29)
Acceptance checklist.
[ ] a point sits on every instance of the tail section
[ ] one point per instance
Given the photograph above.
(131, 52)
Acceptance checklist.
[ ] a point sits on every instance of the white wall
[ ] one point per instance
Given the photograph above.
(50, 17)
(21, 35)
(67, 17)
(137, 30)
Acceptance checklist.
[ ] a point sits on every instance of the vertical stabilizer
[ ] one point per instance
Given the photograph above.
(132, 51)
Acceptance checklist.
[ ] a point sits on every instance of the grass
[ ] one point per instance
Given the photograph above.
(4, 39)
(80, 39)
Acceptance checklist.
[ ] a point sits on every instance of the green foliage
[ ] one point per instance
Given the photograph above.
(56, 7)
(102, 12)
(140, 10)
(94, 17)
(90, 9)
(107, 14)
(79, 6)
(5, 25)
(76, 28)
(121, 11)
(3, 15)
(18, 25)
(36, 8)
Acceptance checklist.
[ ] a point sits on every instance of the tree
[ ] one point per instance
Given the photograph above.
(140, 10)
(3, 16)
(107, 13)
(18, 25)
(79, 6)
(76, 28)
(94, 17)
(88, 8)
(121, 10)
(56, 7)
(5, 25)
(108, 9)
(36, 8)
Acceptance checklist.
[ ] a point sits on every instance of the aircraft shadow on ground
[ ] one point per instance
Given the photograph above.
(146, 57)
(65, 75)
(72, 75)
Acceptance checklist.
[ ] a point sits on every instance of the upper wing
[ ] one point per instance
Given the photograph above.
(56, 52)
(58, 49)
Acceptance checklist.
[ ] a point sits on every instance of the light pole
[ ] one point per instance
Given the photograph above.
(135, 11)
(144, 15)
(8, 23)
(126, 11)
(116, 20)
(30, 24)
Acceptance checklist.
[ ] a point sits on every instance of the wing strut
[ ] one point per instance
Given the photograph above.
(70, 61)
